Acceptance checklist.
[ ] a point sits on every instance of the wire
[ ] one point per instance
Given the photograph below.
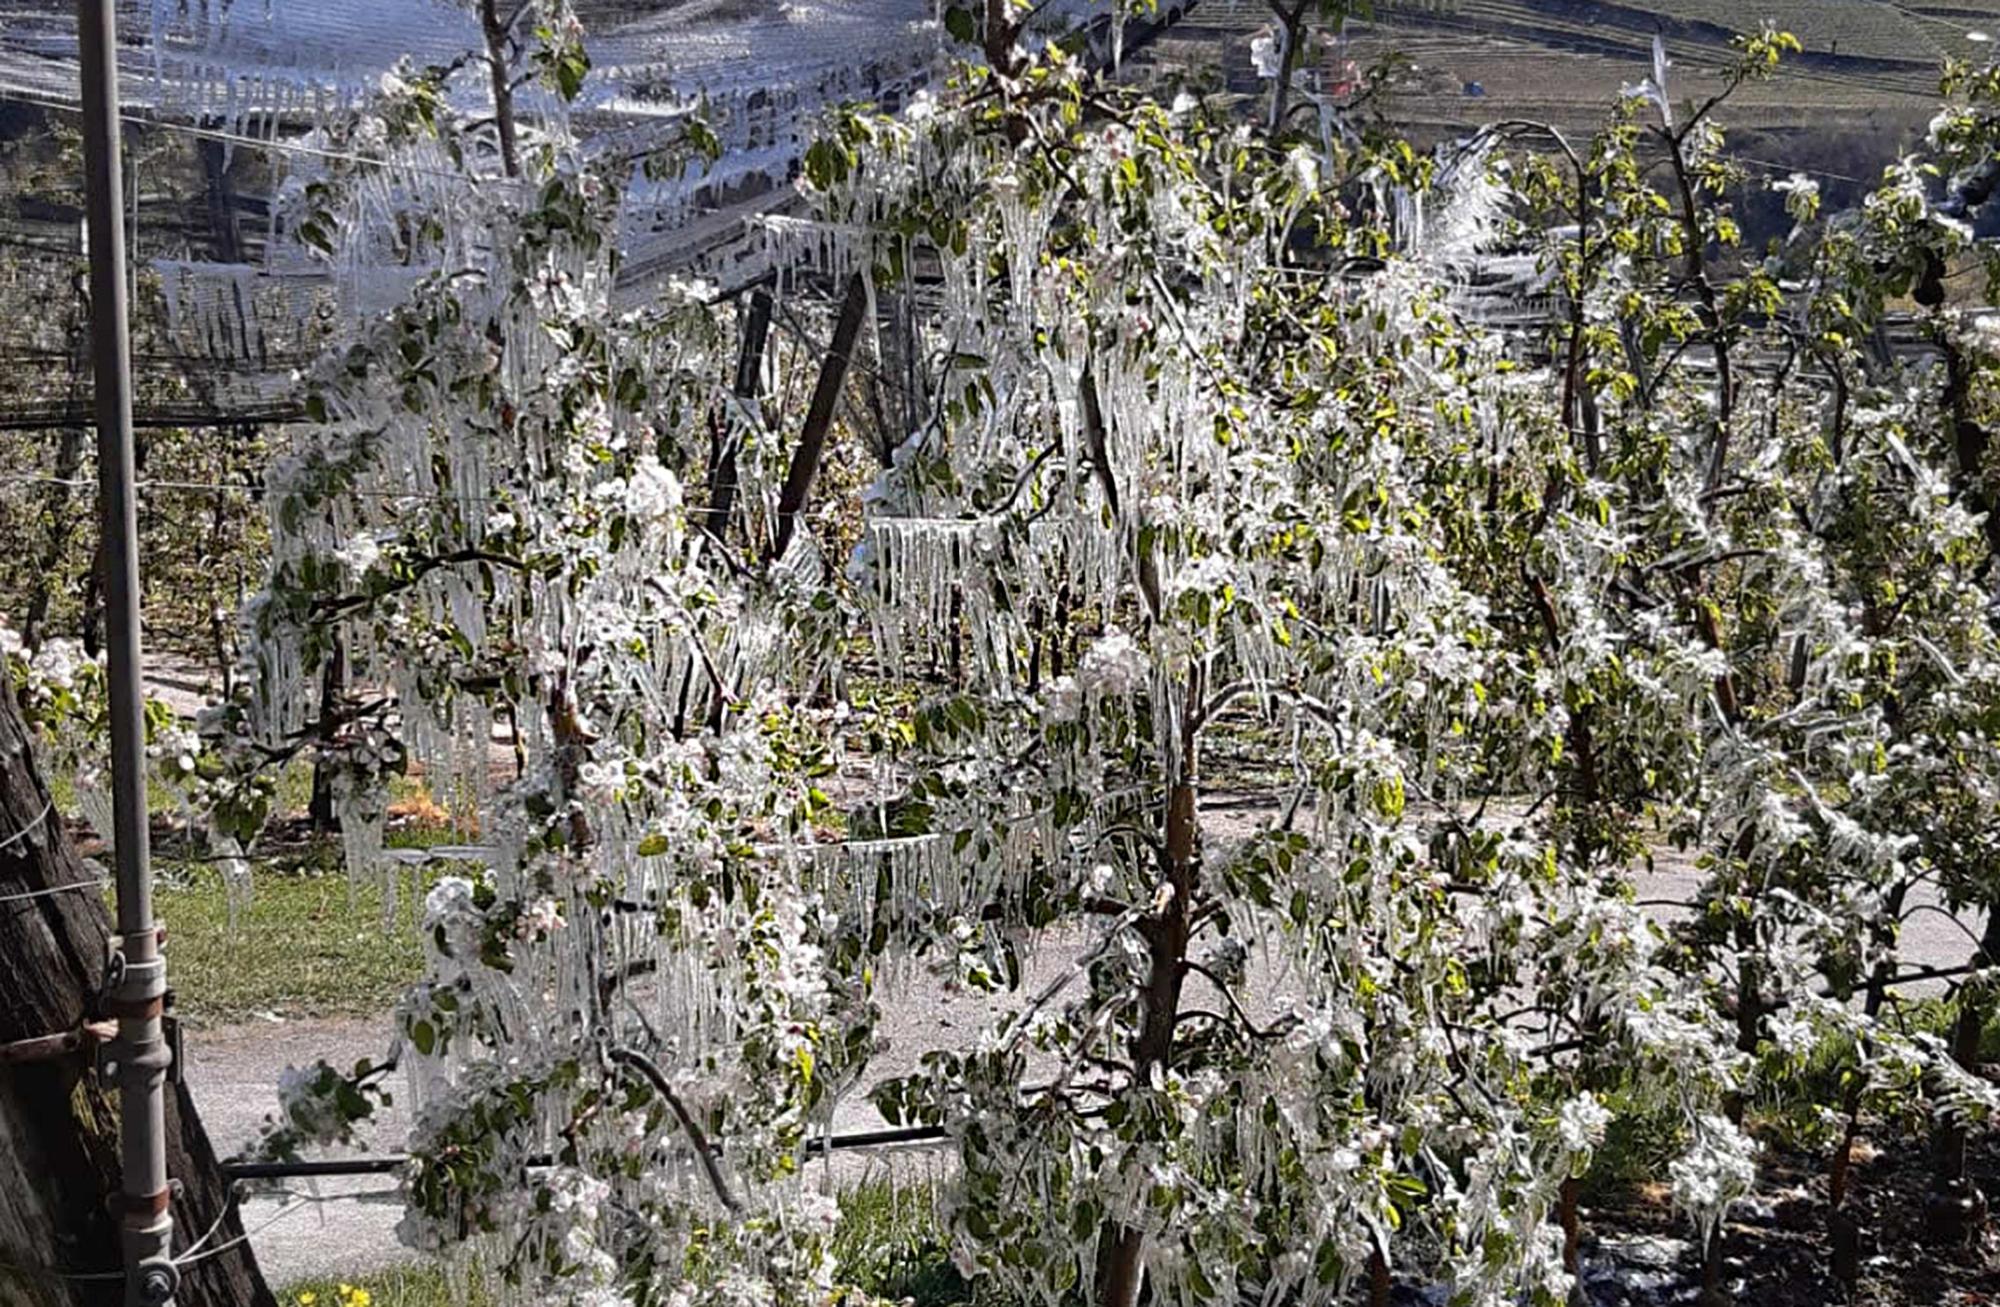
(293, 1199)
(90, 483)
(52, 1273)
(1788, 168)
(302, 1202)
(272, 143)
(238, 487)
(815, 1145)
(228, 1206)
(55, 889)
(28, 829)
(308, 1170)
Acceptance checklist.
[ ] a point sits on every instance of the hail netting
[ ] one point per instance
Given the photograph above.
(282, 80)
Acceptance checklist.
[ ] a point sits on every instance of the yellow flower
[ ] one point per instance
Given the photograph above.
(351, 1296)
(307, 1298)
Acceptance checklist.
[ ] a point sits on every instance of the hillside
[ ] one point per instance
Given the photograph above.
(1863, 88)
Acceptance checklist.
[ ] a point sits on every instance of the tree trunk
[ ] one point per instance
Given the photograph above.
(899, 367)
(1292, 28)
(1167, 929)
(1569, 1215)
(1749, 1024)
(1844, 1230)
(332, 690)
(495, 30)
(1380, 1282)
(727, 436)
(92, 633)
(58, 1121)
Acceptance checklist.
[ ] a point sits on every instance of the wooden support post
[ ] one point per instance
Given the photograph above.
(819, 415)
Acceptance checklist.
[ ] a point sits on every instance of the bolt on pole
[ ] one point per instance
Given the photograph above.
(139, 1057)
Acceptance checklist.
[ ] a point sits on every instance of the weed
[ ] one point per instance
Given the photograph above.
(403, 1286)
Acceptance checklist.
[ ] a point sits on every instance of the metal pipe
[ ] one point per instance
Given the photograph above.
(139, 1057)
(388, 1164)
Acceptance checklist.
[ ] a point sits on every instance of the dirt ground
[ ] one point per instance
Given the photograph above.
(1777, 1249)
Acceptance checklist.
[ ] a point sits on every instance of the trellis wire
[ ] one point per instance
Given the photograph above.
(28, 829)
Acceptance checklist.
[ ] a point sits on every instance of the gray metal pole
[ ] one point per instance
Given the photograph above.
(140, 1054)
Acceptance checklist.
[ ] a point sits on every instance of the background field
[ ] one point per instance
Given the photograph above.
(1863, 89)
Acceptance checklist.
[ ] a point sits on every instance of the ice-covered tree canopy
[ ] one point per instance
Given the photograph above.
(1207, 445)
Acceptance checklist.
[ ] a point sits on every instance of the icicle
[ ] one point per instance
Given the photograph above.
(361, 810)
(228, 856)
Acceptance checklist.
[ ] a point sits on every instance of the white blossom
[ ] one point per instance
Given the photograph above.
(1719, 1167)
(1266, 55)
(1063, 701)
(361, 551)
(1582, 1123)
(1113, 665)
(540, 918)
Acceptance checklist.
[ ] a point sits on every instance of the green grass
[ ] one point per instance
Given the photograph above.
(305, 945)
(308, 943)
(413, 1286)
(1636, 1151)
(890, 1243)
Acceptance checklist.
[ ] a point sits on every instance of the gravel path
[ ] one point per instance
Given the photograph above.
(233, 1072)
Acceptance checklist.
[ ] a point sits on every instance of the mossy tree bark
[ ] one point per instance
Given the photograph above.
(59, 1244)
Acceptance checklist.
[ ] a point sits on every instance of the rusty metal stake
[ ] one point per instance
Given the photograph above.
(47, 1048)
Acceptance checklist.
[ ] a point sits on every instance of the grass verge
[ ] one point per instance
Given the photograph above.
(308, 943)
(408, 1286)
(304, 945)
(890, 1245)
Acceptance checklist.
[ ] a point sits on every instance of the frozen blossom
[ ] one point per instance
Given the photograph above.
(1801, 194)
(58, 663)
(309, 1103)
(1063, 701)
(1790, 1035)
(1656, 89)
(1582, 1122)
(1983, 335)
(1718, 1168)
(1267, 55)
(1304, 168)
(1114, 665)
(361, 551)
(539, 919)
(653, 494)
